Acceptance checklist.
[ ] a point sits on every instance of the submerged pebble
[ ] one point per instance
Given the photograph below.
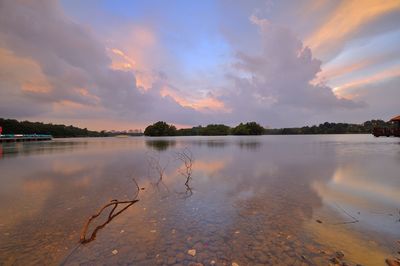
(392, 262)
(192, 252)
(339, 254)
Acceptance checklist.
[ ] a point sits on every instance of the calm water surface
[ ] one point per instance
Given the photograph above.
(278, 200)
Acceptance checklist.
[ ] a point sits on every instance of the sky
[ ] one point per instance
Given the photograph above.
(114, 64)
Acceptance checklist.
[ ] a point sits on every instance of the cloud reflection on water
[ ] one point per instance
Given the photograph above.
(272, 191)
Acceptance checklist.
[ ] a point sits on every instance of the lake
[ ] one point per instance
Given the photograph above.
(259, 200)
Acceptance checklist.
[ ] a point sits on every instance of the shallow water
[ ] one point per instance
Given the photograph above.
(267, 200)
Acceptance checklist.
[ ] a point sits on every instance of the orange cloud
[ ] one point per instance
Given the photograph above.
(68, 104)
(121, 61)
(140, 47)
(333, 72)
(144, 80)
(125, 62)
(117, 52)
(346, 19)
(386, 74)
(23, 71)
(85, 93)
(35, 87)
(202, 104)
(71, 107)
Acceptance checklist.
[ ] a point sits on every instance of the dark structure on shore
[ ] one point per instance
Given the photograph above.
(392, 131)
(22, 137)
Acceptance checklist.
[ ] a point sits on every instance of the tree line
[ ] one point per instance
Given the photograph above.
(12, 126)
(161, 128)
(331, 128)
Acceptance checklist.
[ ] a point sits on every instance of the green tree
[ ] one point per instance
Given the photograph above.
(250, 128)
(254, 128)
(215, 130)
(11, 126)
(240, 129)
(160, 128)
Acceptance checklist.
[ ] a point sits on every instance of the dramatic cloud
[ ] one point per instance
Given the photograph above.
(20, 77)
(73, 66)
(280, 77)
(128, 64)
(349, 18)
(390, 73)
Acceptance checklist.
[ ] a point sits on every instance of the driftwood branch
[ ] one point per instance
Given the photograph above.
(111, 215)
(186, 157)
(354, 219)
(155, 165)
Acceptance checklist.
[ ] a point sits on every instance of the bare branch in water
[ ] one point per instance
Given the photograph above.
(113, 204)
(189, 192)
(355, 220)
(186, 157)
(155, 164)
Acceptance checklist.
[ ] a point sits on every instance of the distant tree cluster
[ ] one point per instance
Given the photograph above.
(213, 130)
(252, 128)
(163, 129)
(331, 128)
(160, 129)
(11, 126)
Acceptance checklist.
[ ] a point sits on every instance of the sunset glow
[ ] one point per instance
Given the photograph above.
(275, 62)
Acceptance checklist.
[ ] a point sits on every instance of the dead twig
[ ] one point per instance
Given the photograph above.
(355, 220)
(155, 164)
(186, 157)
(111, 215)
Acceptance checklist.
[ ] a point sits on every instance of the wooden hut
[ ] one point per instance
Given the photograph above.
(396, 120)
(390, 131)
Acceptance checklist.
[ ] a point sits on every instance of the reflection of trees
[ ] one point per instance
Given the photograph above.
(249, 145)
(160, 145)
(211, 143)
(43, 147)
